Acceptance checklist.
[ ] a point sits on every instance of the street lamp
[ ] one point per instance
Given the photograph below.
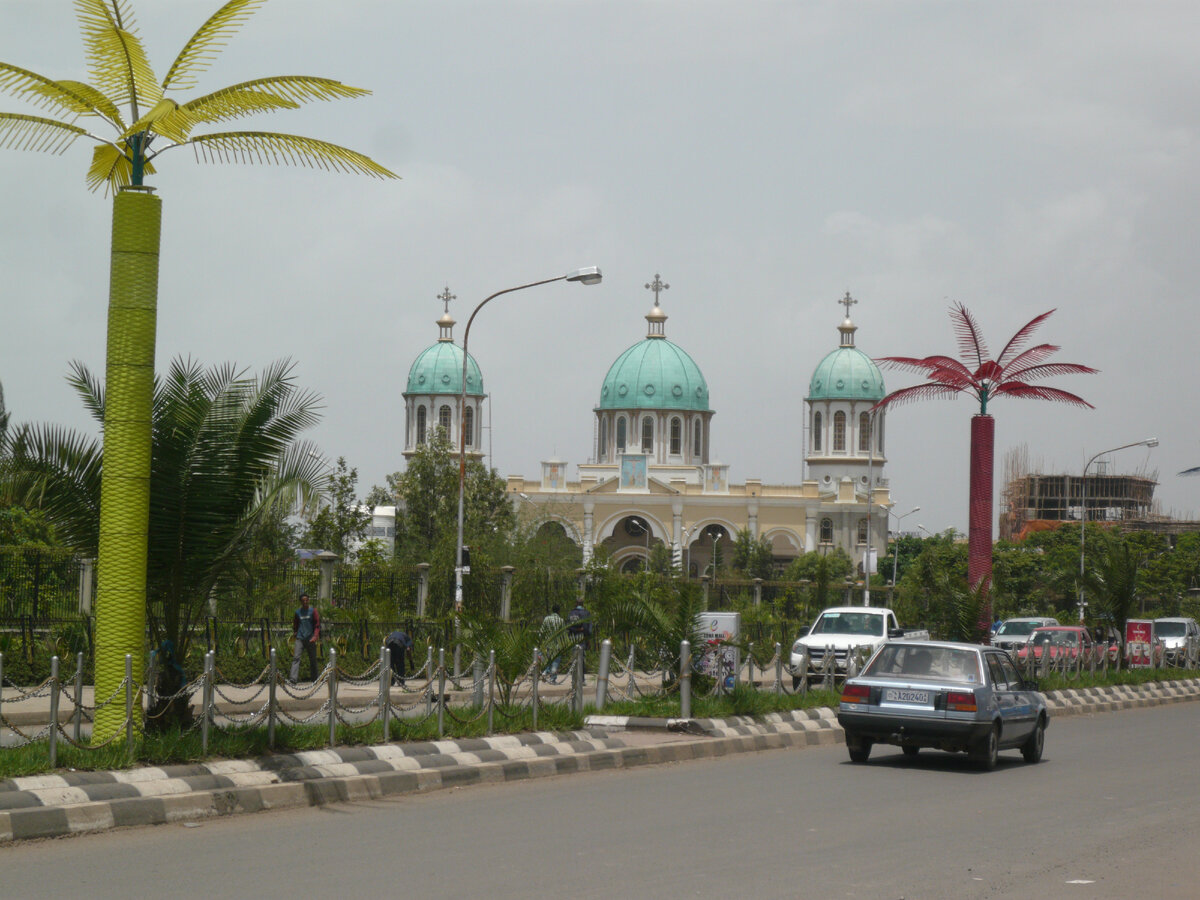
(870, 498)
(896, 552)
(1148, 442)
(588, 275)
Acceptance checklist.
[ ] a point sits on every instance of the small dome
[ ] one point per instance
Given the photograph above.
(846, 374)
(438, 370)
(654, 374)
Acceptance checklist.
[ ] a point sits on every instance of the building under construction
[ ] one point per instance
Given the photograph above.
(1033, 502)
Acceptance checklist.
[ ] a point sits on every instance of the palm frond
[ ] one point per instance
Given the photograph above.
(116, 58)
(88, 388)
(1048, 370)
(265, 95)
(971, 345)
(203, 46)
(1018, 340)
(1194, 470)
(219, 107)
(924, 365)
(1030, 357)
(159, 111)
(72, 97)
(20, 132)
(1040, 392)
(283, 149)
(917, 392)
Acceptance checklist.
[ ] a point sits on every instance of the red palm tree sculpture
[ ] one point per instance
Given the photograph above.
(1010, 373)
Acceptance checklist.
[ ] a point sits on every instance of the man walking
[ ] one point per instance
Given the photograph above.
(551, 626)
(306, 631)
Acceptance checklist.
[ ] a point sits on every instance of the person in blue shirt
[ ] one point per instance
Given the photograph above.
(306, 631)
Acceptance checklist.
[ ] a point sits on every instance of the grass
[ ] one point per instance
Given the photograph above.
(176, 748)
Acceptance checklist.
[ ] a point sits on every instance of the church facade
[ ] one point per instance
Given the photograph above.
(652, 480)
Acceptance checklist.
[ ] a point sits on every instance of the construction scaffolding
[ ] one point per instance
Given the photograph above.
(1036, 502)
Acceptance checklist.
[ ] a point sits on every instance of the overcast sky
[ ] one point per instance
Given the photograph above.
(764, 157)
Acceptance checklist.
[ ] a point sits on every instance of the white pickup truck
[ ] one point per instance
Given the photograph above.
(845, 628)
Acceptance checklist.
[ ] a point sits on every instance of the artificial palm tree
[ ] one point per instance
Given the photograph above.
(1009, 374)
(225, 454)
(146, 120)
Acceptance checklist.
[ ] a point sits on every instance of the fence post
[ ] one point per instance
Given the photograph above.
(441, 700)
(87, 585)
(205, 690)
(332, 696)
(150, 679)
(506, 578)
(429, 681)
(602, 674)
(491, 687)
(78, 696)
(272, 677)
(778, 669)
(129, 703)
(54, 712)
(749, 664)
(1, 684)
(385, 693)
(537, 677)
(685, 679)
(422, 590)
(477, 681)
(578, 697)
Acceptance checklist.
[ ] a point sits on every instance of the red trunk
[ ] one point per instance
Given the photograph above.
(979, 546)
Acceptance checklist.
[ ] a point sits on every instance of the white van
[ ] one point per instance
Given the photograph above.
(1013, 634)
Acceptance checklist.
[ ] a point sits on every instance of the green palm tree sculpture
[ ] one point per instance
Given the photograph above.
(122, 79)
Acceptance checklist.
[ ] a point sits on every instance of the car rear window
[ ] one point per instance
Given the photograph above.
(1016, 628)
(922, 661)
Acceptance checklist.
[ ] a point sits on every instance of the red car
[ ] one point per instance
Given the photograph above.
(1059, 641)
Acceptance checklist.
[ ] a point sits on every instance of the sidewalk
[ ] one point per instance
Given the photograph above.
(75, 802)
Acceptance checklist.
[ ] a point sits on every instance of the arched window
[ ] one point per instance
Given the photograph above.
(621, 434)
(827, 531)
(879, 439)
(676, 437)
(816, 435)
(864, 433)
(862, 531)
(444, 420)
(839, 432)
(468, 423)
(420, 425)
(647, 435)
(602, 450)
(697, 443)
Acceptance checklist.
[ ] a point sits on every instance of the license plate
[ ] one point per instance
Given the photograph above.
(900, 695)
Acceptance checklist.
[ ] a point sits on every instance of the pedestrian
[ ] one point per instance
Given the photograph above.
(551, 626)
(579, 621)
(306, 631)
(401, 646)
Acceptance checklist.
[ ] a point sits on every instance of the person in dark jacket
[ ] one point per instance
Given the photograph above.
(306, 631)
(401, 647)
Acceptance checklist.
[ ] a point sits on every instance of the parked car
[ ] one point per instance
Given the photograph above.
(954, 697)
(1013, 634)
(1175, 631)
(1057, 641)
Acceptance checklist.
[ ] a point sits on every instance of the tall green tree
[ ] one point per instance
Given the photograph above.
(145, 120)
(753, 556)
(226, 454)
(342, 520)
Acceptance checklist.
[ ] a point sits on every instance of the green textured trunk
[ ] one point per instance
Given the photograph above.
(125, 485)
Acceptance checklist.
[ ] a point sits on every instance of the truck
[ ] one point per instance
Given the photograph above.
(848, 628)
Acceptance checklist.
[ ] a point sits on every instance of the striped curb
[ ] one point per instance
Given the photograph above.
(78, 802)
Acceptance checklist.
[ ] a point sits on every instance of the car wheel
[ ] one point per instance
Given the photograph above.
(1032, 748)
(987, 751)
(860, 750)
(911, 751)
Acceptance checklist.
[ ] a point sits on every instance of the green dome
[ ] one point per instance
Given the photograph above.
(846, 374)
(438, 370)
(654, 374)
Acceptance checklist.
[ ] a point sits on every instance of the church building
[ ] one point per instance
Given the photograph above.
(652, 480)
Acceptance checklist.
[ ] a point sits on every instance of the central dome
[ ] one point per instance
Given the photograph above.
(846, 373)
(438, 370)
(654, 374)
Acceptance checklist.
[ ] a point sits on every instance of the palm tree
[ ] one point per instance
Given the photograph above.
(1011, 374)
(122, 79)
(1113, 578)
(225, 454)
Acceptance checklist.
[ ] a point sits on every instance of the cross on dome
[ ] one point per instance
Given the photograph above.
(657, 286)
(848, 302)
(445, 296)
(446, 322)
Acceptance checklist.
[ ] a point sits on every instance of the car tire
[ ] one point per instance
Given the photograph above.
(911, 751)
(859, 749)
(1032, 748)
(987, 751)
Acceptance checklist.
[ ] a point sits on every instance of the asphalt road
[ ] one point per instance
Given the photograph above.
(1110, 812)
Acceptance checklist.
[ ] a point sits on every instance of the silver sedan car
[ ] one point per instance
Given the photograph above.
(955, 697)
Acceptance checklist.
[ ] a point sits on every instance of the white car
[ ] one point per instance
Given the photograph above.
(1013, 634)
(1175, 631)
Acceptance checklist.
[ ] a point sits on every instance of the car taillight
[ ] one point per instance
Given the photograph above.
(961, 701)
(856, 693)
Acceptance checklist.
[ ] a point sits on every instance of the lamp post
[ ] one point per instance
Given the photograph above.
(870, 498)
(1148, 442)
(645, 530)
(896, 552)
(589, 275)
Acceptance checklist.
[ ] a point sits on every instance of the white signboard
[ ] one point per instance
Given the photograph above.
(714, 629)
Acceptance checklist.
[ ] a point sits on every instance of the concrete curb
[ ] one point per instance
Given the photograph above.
(76, 802)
